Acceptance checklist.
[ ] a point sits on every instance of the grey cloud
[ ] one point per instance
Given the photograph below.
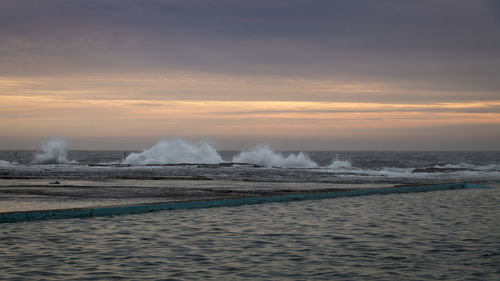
(449, 44)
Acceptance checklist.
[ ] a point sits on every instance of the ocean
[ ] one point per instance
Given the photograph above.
(441, 235)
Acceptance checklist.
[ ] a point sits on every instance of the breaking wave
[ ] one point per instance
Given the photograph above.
(53, 152)
(181, 159)
(5, 164)
(263, 155)
(183, 156)
(448, 171)
(340, 165)
(467, 166)
(345, 167)
(176, 151)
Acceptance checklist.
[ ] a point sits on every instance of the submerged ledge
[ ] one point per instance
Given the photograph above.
(237, 201)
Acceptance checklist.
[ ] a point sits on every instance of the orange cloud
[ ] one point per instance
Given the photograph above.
(64, 116)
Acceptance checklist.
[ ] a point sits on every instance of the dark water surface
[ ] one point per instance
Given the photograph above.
(258, 166)
(448, 235)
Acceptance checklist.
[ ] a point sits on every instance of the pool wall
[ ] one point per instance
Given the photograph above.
(196, 204)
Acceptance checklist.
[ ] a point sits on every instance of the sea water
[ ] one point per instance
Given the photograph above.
(443, 235)
(451, 235)
(259, 165)
(176, 170)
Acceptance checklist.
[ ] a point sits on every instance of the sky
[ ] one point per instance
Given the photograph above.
(298, 75)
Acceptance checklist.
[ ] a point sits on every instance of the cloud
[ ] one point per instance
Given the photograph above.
(448, 44)
(217, 87)
(140, 67)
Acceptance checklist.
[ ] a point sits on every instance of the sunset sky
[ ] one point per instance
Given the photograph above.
(298, 75)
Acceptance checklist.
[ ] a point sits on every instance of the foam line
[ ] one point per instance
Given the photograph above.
(150, 207)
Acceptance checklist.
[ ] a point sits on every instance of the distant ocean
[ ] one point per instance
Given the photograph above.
(446, 235)
(179, 158)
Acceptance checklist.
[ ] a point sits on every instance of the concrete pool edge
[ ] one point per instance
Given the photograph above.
(197, 204)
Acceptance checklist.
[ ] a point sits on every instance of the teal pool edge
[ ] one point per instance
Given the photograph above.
(151, 207)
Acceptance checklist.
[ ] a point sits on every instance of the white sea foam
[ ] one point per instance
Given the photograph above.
(392, 172)
(175, 151)
(5, 164)
(53, 152)
(345, 166)
(263, 155)
(340, 164)
(480, 172)
(468, 166)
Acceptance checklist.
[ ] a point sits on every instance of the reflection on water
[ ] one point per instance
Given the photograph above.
(40, 194)
(426, 236)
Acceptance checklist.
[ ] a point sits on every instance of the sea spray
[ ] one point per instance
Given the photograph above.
(5, 164)
(467, 166)
(53, 152)
(338, 164)
(263, 155)
(367, 167)
(175, 151)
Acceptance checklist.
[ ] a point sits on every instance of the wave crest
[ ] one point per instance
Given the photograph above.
(53, 152)
(340, 164)
(467, 166)
(175, 151)
(263, 155)
(5, 164)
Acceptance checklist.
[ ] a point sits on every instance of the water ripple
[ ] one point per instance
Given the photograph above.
(427, 236)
